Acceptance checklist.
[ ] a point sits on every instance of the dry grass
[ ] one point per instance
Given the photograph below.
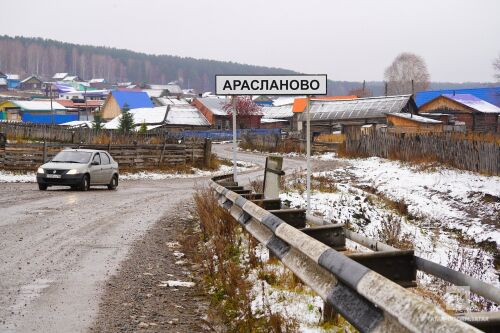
(337, 138)
(226, 276)
(390, 233)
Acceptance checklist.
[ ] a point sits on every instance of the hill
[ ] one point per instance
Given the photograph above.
(44, 57)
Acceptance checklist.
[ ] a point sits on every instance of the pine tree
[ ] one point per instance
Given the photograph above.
(144, 128)
(97, 124)
(126, 121)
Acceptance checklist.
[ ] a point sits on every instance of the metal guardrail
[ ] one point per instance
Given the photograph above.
(365, 298)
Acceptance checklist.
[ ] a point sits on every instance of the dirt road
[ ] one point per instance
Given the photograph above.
(58, 248)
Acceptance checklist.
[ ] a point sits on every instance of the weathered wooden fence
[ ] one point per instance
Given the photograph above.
(477, 153)
(19, 156)
(56, 133)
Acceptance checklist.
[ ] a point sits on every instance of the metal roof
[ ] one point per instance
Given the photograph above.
(38, 105)
(134, 99)
(361, 108)
(172, 88)
(277, 112)
(489, 94)
(215, 105)
(59, 76)
(171, 101)
(12, 76)
(473, 102)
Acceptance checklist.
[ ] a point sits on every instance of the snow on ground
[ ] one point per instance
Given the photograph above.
(14, 177)
(30, 177)
(463, 200)
(172, 283)
(436, 199)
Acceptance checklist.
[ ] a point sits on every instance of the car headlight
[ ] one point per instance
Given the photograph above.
(73, 172)
(40, 170)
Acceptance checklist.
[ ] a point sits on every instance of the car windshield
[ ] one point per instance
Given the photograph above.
(72, 157)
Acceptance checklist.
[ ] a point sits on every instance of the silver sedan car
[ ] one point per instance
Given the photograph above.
(79, 169)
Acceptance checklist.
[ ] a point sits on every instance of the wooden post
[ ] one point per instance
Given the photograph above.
(207, 152)
(44, 151)
(162, 152)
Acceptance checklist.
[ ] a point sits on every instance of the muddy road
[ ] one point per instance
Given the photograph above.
(58, 248)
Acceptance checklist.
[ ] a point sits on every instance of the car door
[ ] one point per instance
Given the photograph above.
(95, 170)
(107, 169)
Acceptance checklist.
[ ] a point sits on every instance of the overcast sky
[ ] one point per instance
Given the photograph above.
(348, 40)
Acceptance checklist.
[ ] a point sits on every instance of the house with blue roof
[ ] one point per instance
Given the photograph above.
(115, 101)
(488, 94)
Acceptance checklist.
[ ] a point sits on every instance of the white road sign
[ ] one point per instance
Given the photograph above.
(271, 84)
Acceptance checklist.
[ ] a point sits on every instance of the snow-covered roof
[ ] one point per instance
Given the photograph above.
(285, 100)
(148, 116)
(361, 108)
(277, 112)
(473, 102)
(416, 118)
(172, 88)
(172, 101)
(97, 81)
(271, 121)
(214, 104)
(12, 76)
(29, 78)
(38, 105)
(3, 81)
(153, 93)
(71, 78)
(186, 115)
(78, 123)
(59, 76)
(163, 115)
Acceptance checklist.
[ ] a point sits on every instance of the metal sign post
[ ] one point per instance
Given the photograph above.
(235, 143)
(308, 154)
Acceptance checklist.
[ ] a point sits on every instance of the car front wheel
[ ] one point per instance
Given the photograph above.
(85, 184)
(114, 183)
(42, 187)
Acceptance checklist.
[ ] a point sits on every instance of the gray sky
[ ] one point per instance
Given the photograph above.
(348, 40)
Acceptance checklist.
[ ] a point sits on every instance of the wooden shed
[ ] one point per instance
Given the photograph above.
(411, 123)
(477, 114)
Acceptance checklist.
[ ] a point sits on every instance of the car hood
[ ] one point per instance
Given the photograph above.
(64, 166)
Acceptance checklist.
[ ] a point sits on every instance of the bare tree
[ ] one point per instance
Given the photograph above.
(407, 74)
(496, 67)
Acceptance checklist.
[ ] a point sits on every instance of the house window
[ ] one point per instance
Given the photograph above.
(35, 85)
(227, 124)
(219, 124)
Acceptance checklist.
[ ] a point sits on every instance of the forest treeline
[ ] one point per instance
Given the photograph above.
(44, 57)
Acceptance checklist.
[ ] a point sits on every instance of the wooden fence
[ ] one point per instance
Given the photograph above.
(478, 153)
(19, 156)
(56, 133)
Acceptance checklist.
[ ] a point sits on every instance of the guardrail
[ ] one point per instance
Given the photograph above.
(368, 300)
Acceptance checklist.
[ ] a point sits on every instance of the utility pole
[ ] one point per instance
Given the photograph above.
(308, 152)
(85, 98)
(235, 144)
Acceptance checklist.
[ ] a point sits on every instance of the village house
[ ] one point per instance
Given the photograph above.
(3, 81)
(170, 89)
(488, 94)
(477, 114)
(98, 83)
(117, 99)
(213, 110)
(13, 81)
(32, 83)
(38, 111)
(328, 116)
(277, 117)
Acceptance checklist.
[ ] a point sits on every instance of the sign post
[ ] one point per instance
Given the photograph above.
(289, 85)
(235, 143)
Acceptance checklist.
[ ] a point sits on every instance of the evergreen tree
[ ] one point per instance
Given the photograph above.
(97, 124)
(144, 128)
(127, 120)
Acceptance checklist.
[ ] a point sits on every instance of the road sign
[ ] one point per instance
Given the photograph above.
(271, 84)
